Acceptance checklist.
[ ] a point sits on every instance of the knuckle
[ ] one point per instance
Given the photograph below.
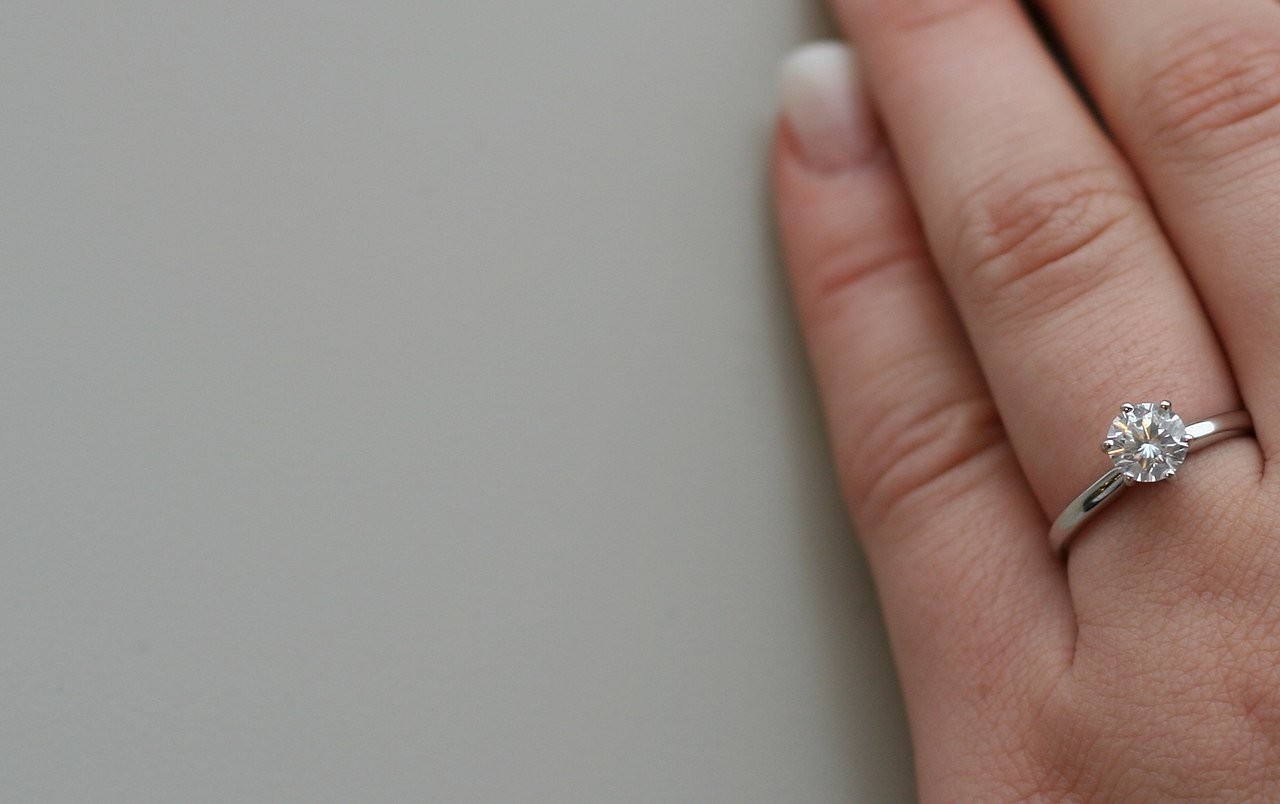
(1064, 752)
(1034, 245)
(919, 15)
(1245, 699)
(1218, 88)
(1256, 695)
(844, 269)
(918, 451)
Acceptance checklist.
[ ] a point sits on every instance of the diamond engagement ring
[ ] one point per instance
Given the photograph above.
(1147, 443)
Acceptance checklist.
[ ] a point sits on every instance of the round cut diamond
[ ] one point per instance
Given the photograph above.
(1148, 442)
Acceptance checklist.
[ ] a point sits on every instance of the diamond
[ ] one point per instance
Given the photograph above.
(1147, 442)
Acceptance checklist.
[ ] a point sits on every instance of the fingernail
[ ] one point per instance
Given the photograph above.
(822, 102)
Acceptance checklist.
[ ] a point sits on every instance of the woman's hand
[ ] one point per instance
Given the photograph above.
(985, 270)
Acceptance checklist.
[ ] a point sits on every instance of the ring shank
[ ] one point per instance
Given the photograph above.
(1216, 428)
(1106, 488)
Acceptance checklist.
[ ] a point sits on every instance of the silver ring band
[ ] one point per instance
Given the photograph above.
(1108, 487)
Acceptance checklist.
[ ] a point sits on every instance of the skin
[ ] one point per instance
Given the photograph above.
(980, 289)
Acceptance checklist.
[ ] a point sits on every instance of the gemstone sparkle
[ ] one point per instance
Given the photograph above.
(1148, 443)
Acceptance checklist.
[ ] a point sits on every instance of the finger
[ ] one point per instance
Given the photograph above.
(947, 521)
(1072, 297)
(1192, 92)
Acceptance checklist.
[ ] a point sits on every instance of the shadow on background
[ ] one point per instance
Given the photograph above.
(863, 682)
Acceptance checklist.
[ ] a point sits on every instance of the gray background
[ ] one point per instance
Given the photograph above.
(401, 403)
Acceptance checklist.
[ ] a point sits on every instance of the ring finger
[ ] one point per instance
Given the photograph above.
(1073, 298)
(1192, 92)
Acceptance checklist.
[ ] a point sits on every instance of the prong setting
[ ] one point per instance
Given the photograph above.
(1151, 445)
(1147, 442)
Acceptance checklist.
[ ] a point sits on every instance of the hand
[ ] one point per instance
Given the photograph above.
(984, 271)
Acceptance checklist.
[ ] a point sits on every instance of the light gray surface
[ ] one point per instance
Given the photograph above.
(401, 403)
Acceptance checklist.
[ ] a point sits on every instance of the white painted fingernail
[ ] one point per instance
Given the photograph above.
(822, 102)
